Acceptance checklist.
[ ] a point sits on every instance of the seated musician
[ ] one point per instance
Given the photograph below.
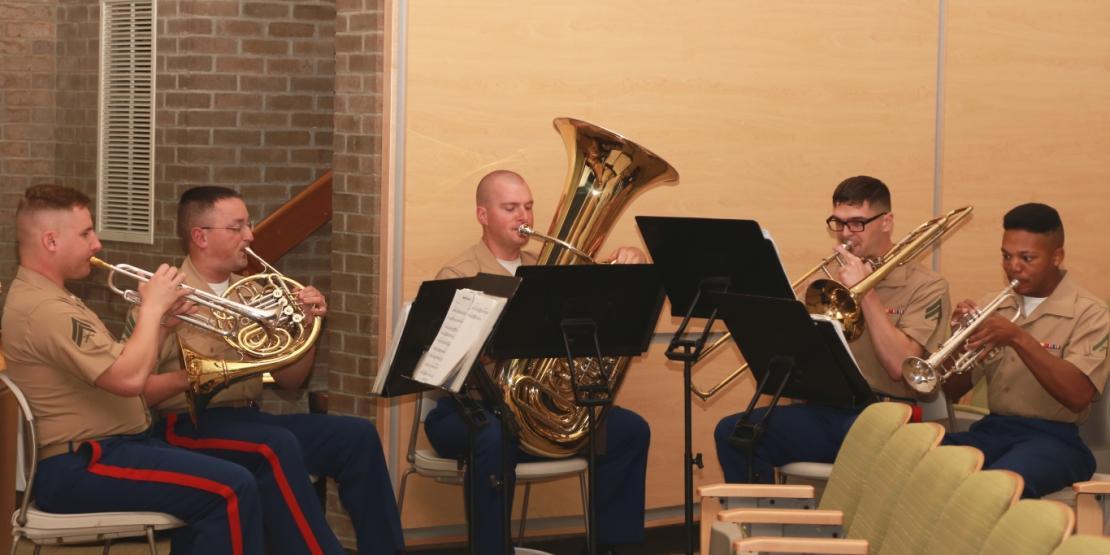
(1052, 362)
(902, 316)
(504, 202)
(281, 450)
(95, 450)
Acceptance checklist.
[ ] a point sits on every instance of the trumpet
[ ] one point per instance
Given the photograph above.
(829, 297)
(203, 298)
(925, 375)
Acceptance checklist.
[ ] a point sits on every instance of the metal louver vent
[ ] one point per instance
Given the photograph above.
(125, 163)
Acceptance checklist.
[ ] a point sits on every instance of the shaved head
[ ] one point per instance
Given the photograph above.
(43, 207)
(491, 181)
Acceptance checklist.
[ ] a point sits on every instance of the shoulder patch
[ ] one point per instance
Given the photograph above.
(933, 311)
(82, 331)
(1101, 345)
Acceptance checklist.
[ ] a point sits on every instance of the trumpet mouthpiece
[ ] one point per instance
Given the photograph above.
(524, 230)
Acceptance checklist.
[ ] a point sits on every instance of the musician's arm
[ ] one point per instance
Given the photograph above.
(293, 376)
(160, 387)
(1060, 378)
(892, 346)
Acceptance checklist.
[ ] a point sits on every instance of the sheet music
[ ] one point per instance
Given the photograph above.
(460, 339)
(391, 351)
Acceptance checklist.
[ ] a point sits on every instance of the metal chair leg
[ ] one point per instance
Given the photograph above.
(150, 540)
(107, 546)
(523, 514)
(401, 493)
(585, 502)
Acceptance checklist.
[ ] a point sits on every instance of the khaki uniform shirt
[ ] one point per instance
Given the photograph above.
(917, 303)
(208, 345)
(56, 349)
(478, 258)
(1073, 324)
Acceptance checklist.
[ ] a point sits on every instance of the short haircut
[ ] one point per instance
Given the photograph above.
(857, 190)
(1035, 217)
(195, 202)
(481, 195)
(50, 197)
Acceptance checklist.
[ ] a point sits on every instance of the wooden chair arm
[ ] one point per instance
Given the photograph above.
(782, 516)
(782, 491)
(1094, 486)
(801, 545)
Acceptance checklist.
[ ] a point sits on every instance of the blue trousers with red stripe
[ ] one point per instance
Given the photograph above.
(217, 499)
(793, 433)
(1049, 455)
(281, 451)
(621, 471)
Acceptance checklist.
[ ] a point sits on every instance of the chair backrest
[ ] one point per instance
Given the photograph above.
(867, 436)
(1084, 545)
(1030, 527)
(890, 473)
(26, 447)
(973, 510)
(925, 495)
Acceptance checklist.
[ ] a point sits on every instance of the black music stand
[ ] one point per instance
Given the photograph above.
(792, 353)
(697, 256)
(428, 310)
(589, 311)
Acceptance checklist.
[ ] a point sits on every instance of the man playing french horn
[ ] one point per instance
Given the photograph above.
(1051, 362)
(215, 229)
(902, 315)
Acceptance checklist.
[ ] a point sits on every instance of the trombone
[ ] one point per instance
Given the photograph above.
(830, 297)
(925, 375)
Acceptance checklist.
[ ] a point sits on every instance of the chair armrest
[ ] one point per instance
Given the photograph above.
(801, 545)
(782, 516)
(1094, 486)
(782, 491)
(1089, 513)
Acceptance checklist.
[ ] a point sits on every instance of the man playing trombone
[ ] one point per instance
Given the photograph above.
(281, 450)
(94, 447)
(1051, 364)
(902, 315)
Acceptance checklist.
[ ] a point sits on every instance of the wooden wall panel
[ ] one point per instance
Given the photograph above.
(763, 107)
(1026, 120)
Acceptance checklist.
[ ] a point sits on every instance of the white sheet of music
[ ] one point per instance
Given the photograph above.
(464, 330)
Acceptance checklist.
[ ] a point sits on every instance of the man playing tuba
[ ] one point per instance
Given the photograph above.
(281, 450)
(1052, 364)
(903, 314)
(504, 203)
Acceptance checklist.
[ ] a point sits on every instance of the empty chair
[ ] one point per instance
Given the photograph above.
(973, 510)
(1030, 527)
(1084, 544)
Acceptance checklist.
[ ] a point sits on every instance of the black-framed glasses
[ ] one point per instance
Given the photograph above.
(857, 225)
(236, 228)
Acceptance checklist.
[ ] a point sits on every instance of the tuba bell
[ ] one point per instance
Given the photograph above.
(606, 171)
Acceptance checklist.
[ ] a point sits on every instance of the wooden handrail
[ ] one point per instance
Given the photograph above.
(294, 221)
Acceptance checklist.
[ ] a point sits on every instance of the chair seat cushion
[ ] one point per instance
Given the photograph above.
(555, 468)
(813, 470)
(428, 463)
(84, 527)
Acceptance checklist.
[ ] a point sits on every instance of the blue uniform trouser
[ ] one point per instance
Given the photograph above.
(218, 500)
(621, 471)
(1049, 455)
(811, 433)
(281, 451)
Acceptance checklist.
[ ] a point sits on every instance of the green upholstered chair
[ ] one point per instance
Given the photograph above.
(925, 495)
(867, 436)
(973, 510)
(1030, 527)
(1084, 544)
(891, 471)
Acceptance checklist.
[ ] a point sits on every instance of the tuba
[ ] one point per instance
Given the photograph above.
(258, 316)
(606, 171)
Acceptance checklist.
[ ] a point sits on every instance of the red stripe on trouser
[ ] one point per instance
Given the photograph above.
(262, 449)
(179, 479)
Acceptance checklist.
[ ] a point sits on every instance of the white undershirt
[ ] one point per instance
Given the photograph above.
(510, 265)
(1030, 304)
(219, 288)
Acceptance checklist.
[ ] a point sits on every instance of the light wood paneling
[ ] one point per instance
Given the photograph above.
(763, 107)
(1026, 120)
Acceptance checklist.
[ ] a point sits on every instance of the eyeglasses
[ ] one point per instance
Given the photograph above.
(236, 228)
(857, 225)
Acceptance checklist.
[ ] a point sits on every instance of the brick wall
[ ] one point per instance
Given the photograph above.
(356, 204)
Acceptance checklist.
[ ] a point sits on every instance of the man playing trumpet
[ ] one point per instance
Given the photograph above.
(1052, 363)
(902, 315)
(281, 450)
